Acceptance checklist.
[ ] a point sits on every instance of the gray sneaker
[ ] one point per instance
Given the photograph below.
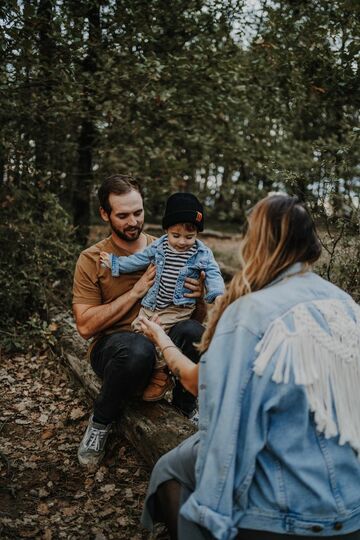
(92, 447)
(194, 417)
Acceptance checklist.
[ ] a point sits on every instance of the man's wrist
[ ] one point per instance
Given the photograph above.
(133, 295)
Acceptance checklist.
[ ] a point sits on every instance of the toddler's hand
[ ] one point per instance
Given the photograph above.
(105, 259)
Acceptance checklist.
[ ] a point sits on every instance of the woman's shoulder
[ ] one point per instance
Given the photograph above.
(257, 310)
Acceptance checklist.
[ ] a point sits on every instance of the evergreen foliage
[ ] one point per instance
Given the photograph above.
(36, 266)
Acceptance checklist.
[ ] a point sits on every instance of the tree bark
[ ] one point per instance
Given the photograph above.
(88, 132)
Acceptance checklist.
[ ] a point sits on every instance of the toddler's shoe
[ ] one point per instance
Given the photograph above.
(160, 383)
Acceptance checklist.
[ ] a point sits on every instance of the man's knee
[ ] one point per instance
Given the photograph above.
(141, 354)
(130, 356)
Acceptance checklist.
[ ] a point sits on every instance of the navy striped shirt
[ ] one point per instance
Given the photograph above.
(174, 261)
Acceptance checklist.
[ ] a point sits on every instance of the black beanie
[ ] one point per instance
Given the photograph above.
(183, 208)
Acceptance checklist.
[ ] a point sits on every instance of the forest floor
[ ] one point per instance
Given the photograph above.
(44, 493)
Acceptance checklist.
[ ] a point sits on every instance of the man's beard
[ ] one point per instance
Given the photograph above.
(122, 234)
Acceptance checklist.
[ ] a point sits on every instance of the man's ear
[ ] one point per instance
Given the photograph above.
(104, 215)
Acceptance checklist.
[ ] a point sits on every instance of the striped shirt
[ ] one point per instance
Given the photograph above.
(174, 261)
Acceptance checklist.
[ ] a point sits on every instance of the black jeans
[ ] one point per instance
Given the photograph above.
(125, 360)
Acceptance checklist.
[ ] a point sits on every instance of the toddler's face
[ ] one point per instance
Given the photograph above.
(181, 239)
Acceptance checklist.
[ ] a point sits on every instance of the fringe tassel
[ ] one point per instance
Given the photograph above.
(324, 357)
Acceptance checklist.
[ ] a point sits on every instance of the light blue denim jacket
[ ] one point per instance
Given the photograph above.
(279, 395)
(202, 260)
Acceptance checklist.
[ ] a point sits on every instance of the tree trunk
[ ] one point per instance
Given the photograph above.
(46, 82)
(88, 133)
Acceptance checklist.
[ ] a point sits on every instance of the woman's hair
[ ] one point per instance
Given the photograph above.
(280, 233)
(119, 184)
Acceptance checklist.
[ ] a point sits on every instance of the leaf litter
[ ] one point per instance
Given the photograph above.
(44, 493)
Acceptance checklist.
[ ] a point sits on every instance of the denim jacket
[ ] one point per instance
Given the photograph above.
(279, 395)
(202, 260)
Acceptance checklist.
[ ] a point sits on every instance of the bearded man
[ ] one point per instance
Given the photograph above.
(104, 308)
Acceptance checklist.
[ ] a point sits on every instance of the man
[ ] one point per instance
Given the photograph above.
(104, 309)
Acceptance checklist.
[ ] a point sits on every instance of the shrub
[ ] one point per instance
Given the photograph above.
(38, 253)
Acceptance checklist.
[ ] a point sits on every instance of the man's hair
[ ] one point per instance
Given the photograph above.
(119, 184)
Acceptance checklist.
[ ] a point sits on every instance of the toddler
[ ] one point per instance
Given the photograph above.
(177, 255)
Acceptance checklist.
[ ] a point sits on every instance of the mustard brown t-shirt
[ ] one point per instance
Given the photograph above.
(94, 285)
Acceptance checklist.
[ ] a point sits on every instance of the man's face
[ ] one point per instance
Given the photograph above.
(127, 215)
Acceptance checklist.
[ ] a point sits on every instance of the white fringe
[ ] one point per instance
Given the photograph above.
(325, 360)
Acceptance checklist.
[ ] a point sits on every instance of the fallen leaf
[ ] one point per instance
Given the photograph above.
(43, 418)
(107, 488)
(53, 327)
(100, 475)
(69, 510)
(47, 434)
(43, 508)
(107, 512)
(77, 413)
(129, 493)
(123, 521)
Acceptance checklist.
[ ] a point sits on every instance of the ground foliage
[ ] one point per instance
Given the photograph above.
(36, 266)
(44, 493)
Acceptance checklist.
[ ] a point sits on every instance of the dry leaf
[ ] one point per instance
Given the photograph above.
(43, 418)
(107, 512)
(77, 413)
(123, 521)
(69, 510)
(47, 434)
(107, 488)
(53, 327)
(43, 508)
(100, 475)
(129, 493)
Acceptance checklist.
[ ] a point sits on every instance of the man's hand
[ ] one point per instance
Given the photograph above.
(196, 286)
(90, 320)
(142, 286)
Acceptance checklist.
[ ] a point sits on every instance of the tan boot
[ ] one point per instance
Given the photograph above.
(159, 384)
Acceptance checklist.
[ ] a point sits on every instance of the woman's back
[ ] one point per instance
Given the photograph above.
(274, 388)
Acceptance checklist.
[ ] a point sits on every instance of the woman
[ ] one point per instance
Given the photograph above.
(277, 454)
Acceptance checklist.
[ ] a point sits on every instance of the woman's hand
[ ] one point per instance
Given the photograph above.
(152, 330)
(181, 366)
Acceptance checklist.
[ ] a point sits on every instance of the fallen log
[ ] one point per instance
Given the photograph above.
(152, 428)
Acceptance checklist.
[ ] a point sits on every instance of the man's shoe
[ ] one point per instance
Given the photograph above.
(159, 384)
(92, 447)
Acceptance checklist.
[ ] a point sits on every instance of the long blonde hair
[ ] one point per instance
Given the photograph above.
(280, 232)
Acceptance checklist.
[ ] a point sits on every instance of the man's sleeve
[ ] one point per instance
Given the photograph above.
(86, 288)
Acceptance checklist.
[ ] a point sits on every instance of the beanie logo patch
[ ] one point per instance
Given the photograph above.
(198, 216)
